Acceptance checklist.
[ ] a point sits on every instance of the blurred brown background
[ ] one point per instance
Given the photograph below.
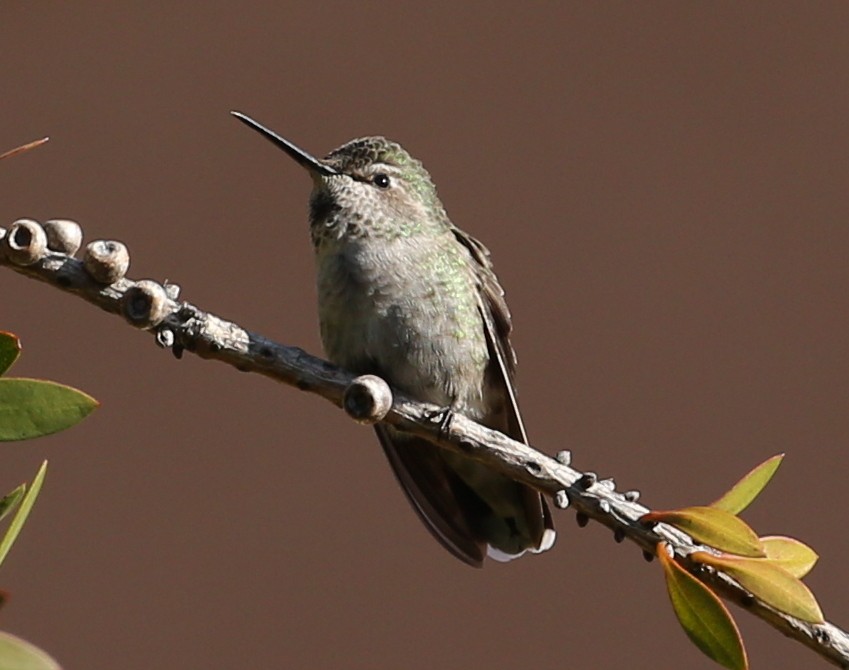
(664, 190)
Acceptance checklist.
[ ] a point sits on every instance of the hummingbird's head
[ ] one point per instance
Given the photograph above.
(369, 187)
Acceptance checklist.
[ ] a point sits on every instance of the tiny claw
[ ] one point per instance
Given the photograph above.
(444, 416)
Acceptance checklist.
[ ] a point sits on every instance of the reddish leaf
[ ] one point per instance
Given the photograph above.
(713, 527)
(703, 616)
(769, 582)
(789, 553)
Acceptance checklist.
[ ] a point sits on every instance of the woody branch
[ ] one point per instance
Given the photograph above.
(47, 253)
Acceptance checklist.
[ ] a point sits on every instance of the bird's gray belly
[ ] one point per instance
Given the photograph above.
(405, 331)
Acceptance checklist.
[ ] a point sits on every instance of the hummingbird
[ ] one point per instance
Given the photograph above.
(406, 295)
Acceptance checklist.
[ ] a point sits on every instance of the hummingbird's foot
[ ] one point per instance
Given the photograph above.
(443, 416)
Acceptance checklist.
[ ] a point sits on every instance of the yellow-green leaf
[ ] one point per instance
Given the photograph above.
(22, 513)
(18, 654)
(11, 499)
(713, 527)
(769, 582)
(749, 487)
(34, 407)
(789, 553)
(703, 616)
(10, 349)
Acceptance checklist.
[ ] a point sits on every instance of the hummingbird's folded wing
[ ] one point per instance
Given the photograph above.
(453, 513)
(435, 492)
(500, 376)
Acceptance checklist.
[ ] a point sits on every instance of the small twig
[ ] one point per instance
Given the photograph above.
(24, 147)
(185, 327)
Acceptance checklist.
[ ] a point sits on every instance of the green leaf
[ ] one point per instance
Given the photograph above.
(769, 582)
(11, 499)
(703, 616)
(789, 553)
(10, 349)
(18, 654)
(713, 527)
(34, 407)
(749, 487)
(22, 514)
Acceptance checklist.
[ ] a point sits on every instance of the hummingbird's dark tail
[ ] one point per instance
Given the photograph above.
(463, 522)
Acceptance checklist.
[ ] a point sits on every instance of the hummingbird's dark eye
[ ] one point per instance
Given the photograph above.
(381, 180)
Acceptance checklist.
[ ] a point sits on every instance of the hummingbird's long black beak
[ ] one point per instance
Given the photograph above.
(304, 159)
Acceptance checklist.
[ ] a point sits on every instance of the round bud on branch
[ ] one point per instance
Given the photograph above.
(367, 399)
(25, 242)
(63, 236)
(146, 304)
(106, 261)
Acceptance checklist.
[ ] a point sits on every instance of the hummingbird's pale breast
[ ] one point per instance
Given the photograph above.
(407, 311)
